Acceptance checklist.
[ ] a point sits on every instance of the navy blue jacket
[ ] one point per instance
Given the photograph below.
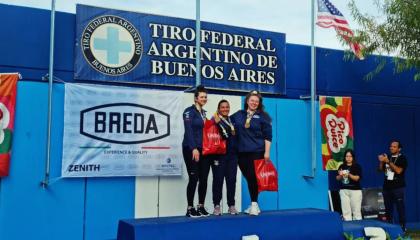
(193, 125)
(252, 139)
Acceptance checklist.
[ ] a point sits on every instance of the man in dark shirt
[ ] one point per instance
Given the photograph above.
(394, 168)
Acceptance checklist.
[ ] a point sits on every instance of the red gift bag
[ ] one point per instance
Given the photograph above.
(267, 177)
(213, 143)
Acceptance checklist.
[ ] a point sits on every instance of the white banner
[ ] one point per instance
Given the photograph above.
(116, 131)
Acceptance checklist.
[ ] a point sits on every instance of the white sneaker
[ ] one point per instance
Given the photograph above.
(217, 210)
(254, 209)
(247, 210)
(232, 210)
(255, 204)
(258, 208)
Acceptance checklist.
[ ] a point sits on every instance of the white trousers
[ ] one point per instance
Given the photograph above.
(351, 204)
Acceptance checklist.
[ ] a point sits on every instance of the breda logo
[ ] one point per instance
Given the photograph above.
(111, 45)
(124, 123)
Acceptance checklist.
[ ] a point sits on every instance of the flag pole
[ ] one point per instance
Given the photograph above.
(313, 94)
(197, 44)
(45, 182)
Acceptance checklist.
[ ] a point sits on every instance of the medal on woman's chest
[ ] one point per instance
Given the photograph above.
(248, 123)
(232, 128)
(249, 116)
(203, 116)
(202, 113)
(229, 123)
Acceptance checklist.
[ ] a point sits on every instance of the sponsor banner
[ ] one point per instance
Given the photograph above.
(116, 131)
(8, 84)
(121, 46)
(337, 130)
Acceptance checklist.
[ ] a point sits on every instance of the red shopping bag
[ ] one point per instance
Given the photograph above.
(213, 143)
(267, 177)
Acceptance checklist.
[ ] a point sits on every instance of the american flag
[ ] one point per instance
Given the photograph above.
(329, 16)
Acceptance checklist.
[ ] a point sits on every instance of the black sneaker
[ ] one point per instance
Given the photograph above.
(202, 211)
(192, 213)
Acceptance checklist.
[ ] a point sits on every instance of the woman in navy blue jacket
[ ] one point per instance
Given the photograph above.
(225, 166)
(198, 166)
(254, 134)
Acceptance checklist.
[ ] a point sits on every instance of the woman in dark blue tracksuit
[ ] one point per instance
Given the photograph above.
(198, 166)
(254, 134)
(225, 166)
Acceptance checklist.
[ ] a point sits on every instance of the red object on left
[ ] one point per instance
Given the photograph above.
(8, 83)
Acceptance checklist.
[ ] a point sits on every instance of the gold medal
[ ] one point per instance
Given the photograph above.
(249, 116)
(227, 122)
(248, 123)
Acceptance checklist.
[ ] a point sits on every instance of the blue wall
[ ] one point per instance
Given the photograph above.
(76, 208)
(291, 154)
(384, 108)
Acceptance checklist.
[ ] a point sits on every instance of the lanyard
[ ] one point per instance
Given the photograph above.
(202, 113)
(229, 123)
(395, 157)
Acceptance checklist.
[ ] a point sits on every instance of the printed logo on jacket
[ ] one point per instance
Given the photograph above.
(126, 46)
(114, 131)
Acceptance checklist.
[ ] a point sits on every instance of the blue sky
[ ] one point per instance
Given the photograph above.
(288, 16)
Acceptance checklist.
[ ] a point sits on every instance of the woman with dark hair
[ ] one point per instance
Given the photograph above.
(254, 134)
(225, 166)
(198, 166)
(350, 173)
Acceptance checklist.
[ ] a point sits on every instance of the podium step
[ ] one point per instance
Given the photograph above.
(286, 224)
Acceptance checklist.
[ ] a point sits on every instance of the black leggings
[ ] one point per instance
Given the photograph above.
(198, 172)
(246, 164)
(224, 167)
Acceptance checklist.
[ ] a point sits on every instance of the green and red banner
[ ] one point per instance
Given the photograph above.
(337, 130)
(7, 117)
